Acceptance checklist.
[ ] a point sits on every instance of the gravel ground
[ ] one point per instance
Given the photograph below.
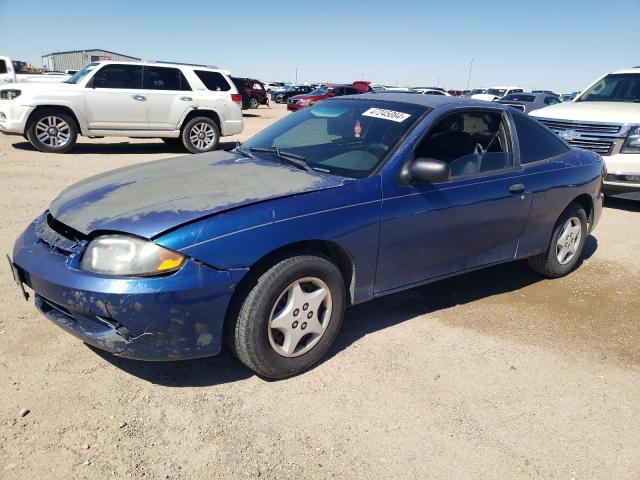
(495, 374)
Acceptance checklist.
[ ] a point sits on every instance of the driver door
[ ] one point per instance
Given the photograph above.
(431, 230)
(115, 99)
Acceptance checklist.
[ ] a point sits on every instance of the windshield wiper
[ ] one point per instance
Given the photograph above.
(290, 158)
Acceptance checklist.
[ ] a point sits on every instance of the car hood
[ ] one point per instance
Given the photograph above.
(152, 197)
(36, 87)
(607, 112)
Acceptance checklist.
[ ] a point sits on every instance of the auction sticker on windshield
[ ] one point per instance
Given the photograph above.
(386, 114)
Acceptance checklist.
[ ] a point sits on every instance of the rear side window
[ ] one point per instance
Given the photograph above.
(213, 81)
(3, 66)
(162, 78)
(118, 76)
(536, 142)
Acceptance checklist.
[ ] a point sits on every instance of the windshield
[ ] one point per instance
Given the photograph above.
(345, 137)
(320, 91)
(497, 92)
(621, 87)
(80, 74)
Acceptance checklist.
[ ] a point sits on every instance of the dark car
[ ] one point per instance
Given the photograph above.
(528, 102)
(252, 91)
(348, 200)
(281, 96)
(332, 90)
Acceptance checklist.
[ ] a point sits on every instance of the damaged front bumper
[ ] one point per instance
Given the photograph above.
(173, 317)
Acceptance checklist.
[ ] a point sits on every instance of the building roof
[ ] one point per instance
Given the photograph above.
(89, 50)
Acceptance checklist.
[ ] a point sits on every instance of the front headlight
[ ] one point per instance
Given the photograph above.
(124, 255)
(632, 143)
(304, 101)
(10, 94)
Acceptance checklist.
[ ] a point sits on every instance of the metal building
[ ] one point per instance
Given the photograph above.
(76, 59)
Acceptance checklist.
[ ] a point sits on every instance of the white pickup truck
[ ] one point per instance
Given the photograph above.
(605, 118)
(11, 72)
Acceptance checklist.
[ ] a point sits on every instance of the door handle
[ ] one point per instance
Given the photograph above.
(140, 98)
(517, 188)
(186, 99)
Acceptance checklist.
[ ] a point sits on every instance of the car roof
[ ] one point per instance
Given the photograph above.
(431, 101)
(163, 64)
(628, 70)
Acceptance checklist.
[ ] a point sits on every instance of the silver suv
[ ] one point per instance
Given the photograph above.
(187, 104)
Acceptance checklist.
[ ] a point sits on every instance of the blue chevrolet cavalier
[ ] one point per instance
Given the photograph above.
(266, 245)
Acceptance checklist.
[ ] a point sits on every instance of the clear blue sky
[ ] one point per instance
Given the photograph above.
(561, 45)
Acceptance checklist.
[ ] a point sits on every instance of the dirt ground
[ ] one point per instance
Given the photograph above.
(497, 374)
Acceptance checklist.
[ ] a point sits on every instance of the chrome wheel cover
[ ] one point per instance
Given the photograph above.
(568, 240)
(299, 317)
(202, 136)
(53, 131)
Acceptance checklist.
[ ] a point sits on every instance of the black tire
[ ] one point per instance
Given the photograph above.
(64, 126)
(249, 335)
(547, 263)
(254, 102)
(194, 127)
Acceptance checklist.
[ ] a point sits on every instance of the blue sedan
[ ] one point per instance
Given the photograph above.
(266, 245)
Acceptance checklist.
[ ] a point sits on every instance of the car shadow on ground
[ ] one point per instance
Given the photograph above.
(623, 204)
(123, 148)
(359, 321)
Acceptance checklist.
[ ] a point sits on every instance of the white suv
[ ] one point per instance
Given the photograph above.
(605, 118)
(185, 104)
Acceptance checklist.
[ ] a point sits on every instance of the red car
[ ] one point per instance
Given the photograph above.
(332, 90)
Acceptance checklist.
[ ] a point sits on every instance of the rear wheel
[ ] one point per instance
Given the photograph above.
(254, 102)
(200, 134)
(290, 317)
(566, 246)
(52, 131)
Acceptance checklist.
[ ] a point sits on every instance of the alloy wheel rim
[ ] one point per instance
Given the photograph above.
(202, 136)
(300, 317)
(568, 240)
(53, 131)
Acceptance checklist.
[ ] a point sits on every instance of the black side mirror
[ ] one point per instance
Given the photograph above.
(425, 170)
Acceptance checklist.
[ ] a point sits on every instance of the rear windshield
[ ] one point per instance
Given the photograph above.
(518, 97)
(213, 81)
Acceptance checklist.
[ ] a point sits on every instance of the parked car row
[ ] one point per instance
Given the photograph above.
(297, 102)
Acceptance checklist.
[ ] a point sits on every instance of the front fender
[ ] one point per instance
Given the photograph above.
(348, 216)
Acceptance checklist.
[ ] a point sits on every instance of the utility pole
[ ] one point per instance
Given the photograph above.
(469, 77)
(296, 75)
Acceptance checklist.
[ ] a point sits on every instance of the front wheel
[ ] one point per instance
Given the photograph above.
(290, 317)
(566, 246)
(52, 131)
(200, 134)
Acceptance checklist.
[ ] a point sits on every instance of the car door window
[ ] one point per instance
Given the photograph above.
(3, 66)
(118, 76)
(162, 78)
(536, 142)
(472, 143)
